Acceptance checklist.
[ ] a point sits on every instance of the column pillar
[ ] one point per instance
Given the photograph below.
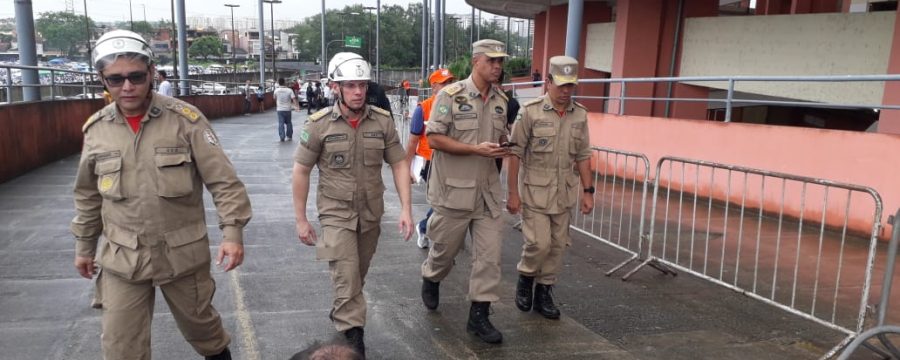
(635, 52)
(889, 120)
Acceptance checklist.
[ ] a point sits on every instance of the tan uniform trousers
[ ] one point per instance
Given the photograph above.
(546, 238)
(448, 235)
(128, 311)
(348, 273)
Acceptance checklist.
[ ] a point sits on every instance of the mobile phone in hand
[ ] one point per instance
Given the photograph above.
(508, 144)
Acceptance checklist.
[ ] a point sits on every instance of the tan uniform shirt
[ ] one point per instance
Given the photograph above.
(144, 191)
(463, 185)
(351, 189)
(549, 145)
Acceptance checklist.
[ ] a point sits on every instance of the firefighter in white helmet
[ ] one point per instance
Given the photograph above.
(349, 142)
(145, 161)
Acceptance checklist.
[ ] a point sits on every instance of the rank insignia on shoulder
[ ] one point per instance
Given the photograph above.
(380, 110)
(319, 114)
(454, 89)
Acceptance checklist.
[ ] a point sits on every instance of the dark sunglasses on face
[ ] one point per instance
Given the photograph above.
(135, 78)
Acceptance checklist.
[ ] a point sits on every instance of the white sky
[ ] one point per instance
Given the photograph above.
(295, 10)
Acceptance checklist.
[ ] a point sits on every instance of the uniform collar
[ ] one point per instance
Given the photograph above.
(472, 91)
(547, 104)
(157, 103)
(336, 111)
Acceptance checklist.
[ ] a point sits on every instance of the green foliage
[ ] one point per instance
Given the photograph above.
(462, 67)
(517, 66)
(63, 31)
(205, 47)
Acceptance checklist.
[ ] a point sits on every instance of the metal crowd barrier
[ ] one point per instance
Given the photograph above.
(735, 227)
(885, 347)
(621, 180)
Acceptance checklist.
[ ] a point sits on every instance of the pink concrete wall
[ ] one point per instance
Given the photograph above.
(849, 157)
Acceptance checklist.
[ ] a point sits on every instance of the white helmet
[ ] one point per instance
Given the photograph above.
(346, 66)
(121, 42)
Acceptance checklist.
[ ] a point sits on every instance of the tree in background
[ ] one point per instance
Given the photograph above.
(205, 47)
(63, 31)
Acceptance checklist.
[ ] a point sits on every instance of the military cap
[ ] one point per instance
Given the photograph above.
(490, 48)
(564, 70)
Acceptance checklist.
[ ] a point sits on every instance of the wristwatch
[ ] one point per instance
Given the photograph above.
(589, 190)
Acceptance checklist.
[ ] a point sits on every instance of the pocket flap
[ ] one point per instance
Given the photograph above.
(120, 236)
(544, 131)
(573, 180)
(164, 160)
(460, 183)
(337, 194)
(107, 166)
(186, 235)
(467, 124)
(373, 143)
(534, 178)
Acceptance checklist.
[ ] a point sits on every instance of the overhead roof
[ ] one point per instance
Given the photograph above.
(523, 9)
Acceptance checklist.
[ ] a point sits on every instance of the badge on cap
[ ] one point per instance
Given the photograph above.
(445, 72)
(359, 70)
(567, 69)
(210, 137)
(118, 43)
(498, 48)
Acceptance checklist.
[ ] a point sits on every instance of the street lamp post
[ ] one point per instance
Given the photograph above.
(233, 46)
(272, 16)
(87, 26)
(326, 51)
(369, 9)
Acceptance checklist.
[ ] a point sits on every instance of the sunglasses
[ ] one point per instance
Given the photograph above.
(135, 78)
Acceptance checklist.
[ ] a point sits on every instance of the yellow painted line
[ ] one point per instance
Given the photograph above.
(248, 333)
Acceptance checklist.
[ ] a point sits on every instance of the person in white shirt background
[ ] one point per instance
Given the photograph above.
(165, 87)
(285, 101)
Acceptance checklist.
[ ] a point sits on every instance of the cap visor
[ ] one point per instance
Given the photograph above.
(563, 79)
(496, 54)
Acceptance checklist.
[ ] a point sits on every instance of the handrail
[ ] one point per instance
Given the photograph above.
(729, 100)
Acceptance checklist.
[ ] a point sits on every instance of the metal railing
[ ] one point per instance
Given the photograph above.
(54, 79)
(621, 180)
(887, 349)
(730, 100)
(734, 226)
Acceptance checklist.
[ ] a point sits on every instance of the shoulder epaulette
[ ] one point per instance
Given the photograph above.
(454, 89)
(90, 121)
(578, 104)
(380, 110)
(320, 114)
(186, 111)
(532, 102)
(501, 93)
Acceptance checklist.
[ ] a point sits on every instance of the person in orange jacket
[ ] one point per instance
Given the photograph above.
(418, 143)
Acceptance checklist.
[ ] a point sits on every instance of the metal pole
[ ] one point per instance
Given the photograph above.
(144, 6)
(324, 60)
(130, 15)
(528, 42)
(675, 37)
(573, 28)
(184, 88)
(233, 42)
(428, 29)
(507, 34)
(272, 20)
(174, 43)
(424, 37)
(262, 47)
(443, 30)
(27, 50)
(728, 102)
(478, 28)
(472, 28)
(87, 27)
(436, 57)
(378, 41)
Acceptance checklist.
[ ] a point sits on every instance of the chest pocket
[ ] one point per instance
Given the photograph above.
(374, 148)
(337, 154)
(108, 169)
(543, 139)
(174, 172)
(467, 128)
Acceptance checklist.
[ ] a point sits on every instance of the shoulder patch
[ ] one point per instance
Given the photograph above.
(454, 89)
(578, 104)
(320, 114)
(532, 102)
(90, 121)
(379, 110)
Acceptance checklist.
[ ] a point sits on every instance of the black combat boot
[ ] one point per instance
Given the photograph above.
(355, 338)
(543, 301)
(480, 325)
(224, 355)
(524, 292)
(431, 293)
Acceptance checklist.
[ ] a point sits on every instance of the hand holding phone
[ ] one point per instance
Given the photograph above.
(508, 144)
